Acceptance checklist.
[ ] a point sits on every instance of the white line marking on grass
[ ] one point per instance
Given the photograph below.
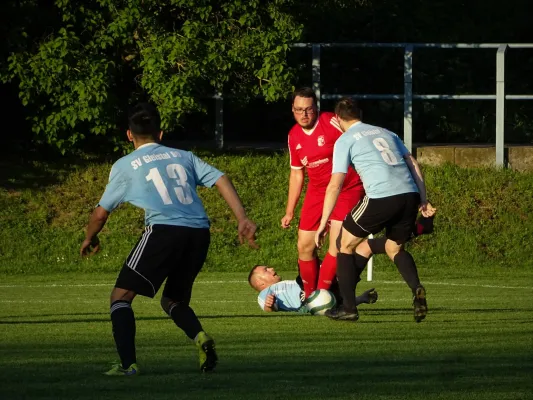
(105, 301)
(54, 285)
(462, 284)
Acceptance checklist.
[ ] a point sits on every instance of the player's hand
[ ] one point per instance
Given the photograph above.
(320, 235)
(246, 231)
(270, 301)
(427, 210)
(90, 247)
(286, 221)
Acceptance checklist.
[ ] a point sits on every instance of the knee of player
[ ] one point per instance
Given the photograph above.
(306, 247)
(392, 248)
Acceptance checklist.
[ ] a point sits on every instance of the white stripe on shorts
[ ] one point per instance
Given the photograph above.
(361, 209)
(134, 260)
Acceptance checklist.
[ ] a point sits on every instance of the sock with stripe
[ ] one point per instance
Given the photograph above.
(185, 319)
(123, 321)
(327, 273)
(406, 266)
(309, 273)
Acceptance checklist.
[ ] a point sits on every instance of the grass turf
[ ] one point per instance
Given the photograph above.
(475, 344)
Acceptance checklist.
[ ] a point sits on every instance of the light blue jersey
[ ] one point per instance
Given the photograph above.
(288, 296)
(162, 181)
(377, 156)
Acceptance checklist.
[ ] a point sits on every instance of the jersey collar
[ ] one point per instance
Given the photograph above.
(310, 131)
(355, 124)
(146, 145)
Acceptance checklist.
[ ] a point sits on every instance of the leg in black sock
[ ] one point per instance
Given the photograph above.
(123, 321)
(185, 318)
(349, 269)
(360, 264)
(407, 268)
(368, 297)
(347, 281)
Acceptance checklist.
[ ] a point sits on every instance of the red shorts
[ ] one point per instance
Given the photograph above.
(314, 203)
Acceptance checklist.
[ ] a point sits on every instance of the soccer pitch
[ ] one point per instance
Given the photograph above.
(476, 342)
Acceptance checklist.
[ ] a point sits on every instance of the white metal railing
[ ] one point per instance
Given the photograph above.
(408, 95)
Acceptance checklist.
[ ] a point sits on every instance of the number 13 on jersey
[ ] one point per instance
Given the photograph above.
(183, 189)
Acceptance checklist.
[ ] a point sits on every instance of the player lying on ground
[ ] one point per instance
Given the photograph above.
(276, 294)
(162, 181)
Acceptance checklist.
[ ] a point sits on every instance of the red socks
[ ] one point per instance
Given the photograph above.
(309, 274)
(328, 270)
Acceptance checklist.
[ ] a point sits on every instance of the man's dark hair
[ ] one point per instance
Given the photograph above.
(252, 273)
(144, 120)
(306, 92)
(348, 109)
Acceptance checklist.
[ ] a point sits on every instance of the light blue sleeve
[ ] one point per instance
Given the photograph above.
(262, 297)
(206, 175)
(341, 157)
(115, 191)
(399, 144)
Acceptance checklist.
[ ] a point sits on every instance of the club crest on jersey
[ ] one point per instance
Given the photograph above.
(304, 161)
(321, 141)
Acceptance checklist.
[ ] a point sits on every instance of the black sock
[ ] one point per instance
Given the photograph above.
(364, 298)
(185, 318)
(407, 268)
(360, 264)
(349, 269)
(377, 246)
(123, 321)
(347, 281)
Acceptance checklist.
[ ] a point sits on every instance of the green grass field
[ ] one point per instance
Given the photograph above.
(475, 344)
(56, 335)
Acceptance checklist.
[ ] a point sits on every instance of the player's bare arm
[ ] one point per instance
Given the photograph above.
(91, 244)
(270, 303)
(332, 194)
(296, 182)
(246, 228)
(426, 209)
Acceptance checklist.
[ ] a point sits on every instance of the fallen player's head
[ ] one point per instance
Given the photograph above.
(262, 276)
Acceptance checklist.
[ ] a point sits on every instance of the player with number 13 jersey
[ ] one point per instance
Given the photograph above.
(162, 181)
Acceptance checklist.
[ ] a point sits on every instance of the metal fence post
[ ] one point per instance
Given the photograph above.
(219, 120)
(316, 72)
(408, 97)
(500, 104)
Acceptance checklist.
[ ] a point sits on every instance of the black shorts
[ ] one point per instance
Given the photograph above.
(397, 214)
(175, 253)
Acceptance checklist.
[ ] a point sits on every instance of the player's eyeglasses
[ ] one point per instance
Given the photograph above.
(308, 110)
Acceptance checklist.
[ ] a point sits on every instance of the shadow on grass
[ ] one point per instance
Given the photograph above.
(62, 318)
(33, 172)
(334, 374)
(105, 318)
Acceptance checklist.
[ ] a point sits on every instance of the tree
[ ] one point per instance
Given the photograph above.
(82, 63)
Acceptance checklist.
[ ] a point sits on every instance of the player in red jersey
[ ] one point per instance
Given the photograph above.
(311, 143)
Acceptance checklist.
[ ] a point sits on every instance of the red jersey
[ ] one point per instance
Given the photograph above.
(314, 151)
